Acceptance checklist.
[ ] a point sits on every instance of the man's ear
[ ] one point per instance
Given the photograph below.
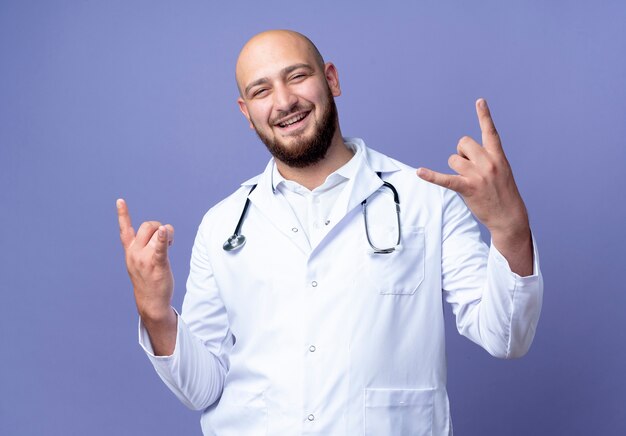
(244, 110)
(332, 78)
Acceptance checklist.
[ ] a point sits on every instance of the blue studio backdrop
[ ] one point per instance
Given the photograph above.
(137, 99)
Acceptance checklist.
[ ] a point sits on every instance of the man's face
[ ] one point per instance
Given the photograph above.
(288, 98)
(302, 148)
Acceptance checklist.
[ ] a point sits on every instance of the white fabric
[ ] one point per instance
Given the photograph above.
(288, 336)
(312, 208)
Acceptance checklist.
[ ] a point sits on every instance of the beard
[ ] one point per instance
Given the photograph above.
(305, 151)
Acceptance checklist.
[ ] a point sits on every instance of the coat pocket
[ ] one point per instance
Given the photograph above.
(402, 271)
(240, 412)
(399, 412)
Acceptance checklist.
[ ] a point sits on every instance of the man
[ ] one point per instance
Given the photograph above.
(329, 320)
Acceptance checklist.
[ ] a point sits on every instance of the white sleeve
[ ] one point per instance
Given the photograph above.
(196, 370)
(494, 307)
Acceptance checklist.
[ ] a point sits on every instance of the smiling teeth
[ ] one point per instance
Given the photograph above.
(292, 120)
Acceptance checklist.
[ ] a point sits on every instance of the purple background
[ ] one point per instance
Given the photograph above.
(137, 99)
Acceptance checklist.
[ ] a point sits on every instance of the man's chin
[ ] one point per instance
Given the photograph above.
(293, 140)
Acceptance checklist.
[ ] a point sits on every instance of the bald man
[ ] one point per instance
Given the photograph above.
(322, 313)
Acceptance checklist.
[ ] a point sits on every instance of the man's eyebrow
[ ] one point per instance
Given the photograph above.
(283, 72)
(291, 68)
(255, 83)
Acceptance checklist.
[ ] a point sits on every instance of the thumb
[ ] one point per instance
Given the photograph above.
(448, 181)
(170, 234)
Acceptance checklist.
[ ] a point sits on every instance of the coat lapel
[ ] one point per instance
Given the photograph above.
(276, 209)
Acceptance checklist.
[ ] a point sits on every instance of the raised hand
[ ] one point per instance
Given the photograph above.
(150, 273)
(485, 181)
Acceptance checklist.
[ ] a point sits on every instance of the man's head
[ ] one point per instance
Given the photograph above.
(287, 94)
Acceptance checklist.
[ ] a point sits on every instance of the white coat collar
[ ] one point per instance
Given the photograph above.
(364, 183)
(375, 161)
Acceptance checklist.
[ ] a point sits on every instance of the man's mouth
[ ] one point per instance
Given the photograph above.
(293, 121)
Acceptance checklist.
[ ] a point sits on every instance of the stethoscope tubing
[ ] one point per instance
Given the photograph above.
(237, 240)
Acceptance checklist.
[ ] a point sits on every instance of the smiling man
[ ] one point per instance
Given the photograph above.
(329, 319)
(292, 109)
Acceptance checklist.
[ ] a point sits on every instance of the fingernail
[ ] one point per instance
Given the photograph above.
(161, 232)
(119, 202)
(482, 103)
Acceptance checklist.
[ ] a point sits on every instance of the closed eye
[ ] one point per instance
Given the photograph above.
(298, 77)
(259, 92)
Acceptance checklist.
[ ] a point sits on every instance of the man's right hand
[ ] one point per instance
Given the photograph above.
(150, 273)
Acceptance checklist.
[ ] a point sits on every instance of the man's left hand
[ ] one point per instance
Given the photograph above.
(485, 181)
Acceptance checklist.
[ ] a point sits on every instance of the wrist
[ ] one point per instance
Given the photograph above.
(511, 237)
(517, 249)
(510, 234)
(159, 321)
(156, 314)
(511, 230)
(162, 332)
(512, 225)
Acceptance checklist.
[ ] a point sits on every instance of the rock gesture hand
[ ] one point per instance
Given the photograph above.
(150, 273)
(485, 181)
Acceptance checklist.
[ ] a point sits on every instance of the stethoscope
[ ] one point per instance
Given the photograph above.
(238, 240)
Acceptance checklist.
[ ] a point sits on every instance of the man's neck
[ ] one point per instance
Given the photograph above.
(312, 176)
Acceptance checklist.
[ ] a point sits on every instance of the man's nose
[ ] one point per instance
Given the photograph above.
(284, 99)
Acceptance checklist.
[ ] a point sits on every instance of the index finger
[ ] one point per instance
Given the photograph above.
(491, 139)
(127, 233)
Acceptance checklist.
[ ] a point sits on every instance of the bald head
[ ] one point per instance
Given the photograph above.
(266, 48)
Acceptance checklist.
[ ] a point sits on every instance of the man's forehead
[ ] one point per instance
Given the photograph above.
(269, 53)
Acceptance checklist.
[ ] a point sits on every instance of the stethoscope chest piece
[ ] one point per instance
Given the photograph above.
(237, 240)
(234, 242)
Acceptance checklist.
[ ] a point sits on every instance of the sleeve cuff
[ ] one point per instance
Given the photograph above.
(498, 259)
(144, 341)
